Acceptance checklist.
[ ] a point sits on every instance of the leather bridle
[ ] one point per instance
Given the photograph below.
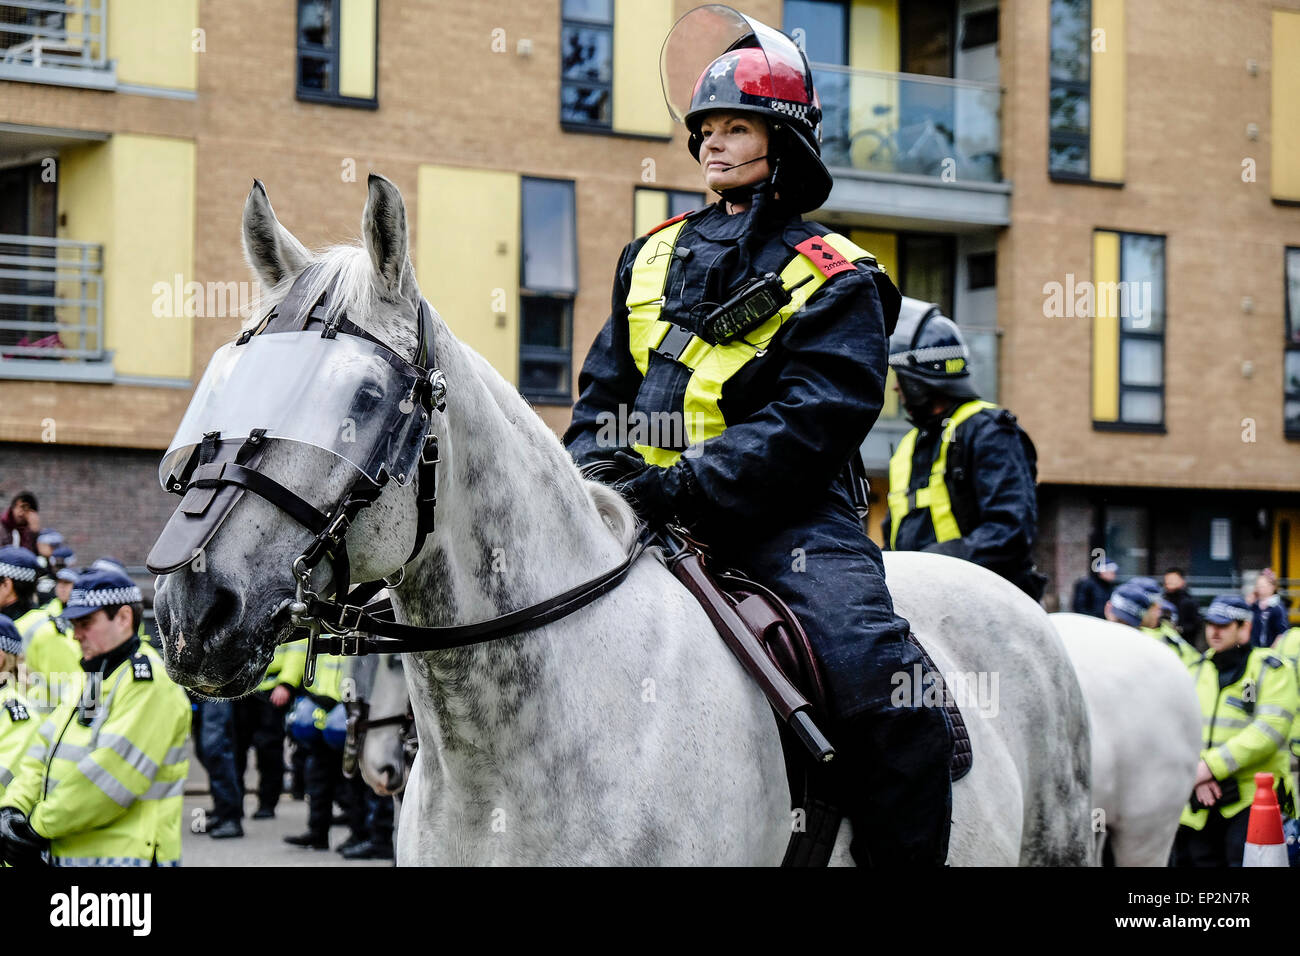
(355, 624)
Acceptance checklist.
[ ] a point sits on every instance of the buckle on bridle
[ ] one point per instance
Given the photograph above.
(348, 623)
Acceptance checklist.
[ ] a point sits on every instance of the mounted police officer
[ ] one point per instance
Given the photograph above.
(962, 482)
(763, 337)
(1248, 701)
(102, 782)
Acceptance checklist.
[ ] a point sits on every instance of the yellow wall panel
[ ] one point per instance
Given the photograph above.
(1105, 329)
(650, 207)
(1286, 105)
(639, 105)
(135, 195)
(357, 48)
(152, 41)
(873, 45)
(464, 219)
(1107, 154)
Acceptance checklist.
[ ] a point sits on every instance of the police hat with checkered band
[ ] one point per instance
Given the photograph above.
(927, 349)
(1226, 608)
(11, 642)
(95, 590)
(18, 563)
(717, 59)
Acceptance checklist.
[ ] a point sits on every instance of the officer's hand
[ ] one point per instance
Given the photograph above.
(20, 845)
(1207, 794)
(279, 696)
(1203, 773)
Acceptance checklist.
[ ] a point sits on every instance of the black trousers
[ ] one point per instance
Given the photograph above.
(1221, 843)
(326, 784)
(260, 724)
(893, 767)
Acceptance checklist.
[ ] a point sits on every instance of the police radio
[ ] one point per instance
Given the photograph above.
(756, 302)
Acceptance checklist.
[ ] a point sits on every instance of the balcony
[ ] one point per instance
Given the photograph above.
(52, 310)
(934, 144)
(61, 42)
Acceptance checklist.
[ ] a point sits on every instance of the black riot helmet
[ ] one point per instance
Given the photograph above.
(717, 59)
(930, 358)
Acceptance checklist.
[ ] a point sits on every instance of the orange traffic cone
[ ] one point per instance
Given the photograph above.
(1265, 844)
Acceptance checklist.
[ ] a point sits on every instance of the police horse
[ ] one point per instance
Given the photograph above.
(623, 732)
(1146, 736)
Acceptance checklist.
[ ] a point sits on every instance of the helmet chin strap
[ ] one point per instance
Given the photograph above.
(735, 194)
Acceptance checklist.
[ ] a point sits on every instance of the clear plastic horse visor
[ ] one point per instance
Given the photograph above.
(345, 395)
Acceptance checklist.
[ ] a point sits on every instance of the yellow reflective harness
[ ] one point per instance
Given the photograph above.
(934, 496)
(711, 365)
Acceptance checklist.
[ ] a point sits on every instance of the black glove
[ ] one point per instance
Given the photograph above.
(20, 845)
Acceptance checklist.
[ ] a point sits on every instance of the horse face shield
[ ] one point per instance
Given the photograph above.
(344, 394)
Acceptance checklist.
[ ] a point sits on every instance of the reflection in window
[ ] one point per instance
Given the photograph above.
(587, 62)
(1140, 301)
(1069, 103)
(550, 281)
(318, 55)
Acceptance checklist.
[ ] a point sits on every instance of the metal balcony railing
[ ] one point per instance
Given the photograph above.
(945, 129)
(59, 34)
(51, 299)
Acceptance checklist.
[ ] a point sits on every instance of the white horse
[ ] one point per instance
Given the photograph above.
(625, 733)
(1146, 735)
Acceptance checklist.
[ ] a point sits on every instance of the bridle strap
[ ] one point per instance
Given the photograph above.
(382, 635)
(218, 473)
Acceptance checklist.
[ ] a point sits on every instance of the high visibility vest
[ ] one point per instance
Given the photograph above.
(104, 783)
(328, 680)
(18, 721)
(52, 661)
(711, 365)
(1289, 650)
(934, 495)
(273, 669)
(1244, 728)
(1168, 635)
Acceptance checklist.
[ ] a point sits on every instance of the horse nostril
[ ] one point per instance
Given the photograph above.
(224, 606)
(389, 775)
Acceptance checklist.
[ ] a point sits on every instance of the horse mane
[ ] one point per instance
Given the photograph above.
(355, 294)
(615, 513)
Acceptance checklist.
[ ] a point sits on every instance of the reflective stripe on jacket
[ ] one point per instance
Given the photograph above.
(1244, 728)
(111, 788)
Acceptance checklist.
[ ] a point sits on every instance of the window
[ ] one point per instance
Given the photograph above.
(1070, 98)
(1128, 539)
(336, 52)
(548, 284)
(1291, 366)
(587, 63)
(27, 296)
(653, 206)
(821, 28)
(1129, 331)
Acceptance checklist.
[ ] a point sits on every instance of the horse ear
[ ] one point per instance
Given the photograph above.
(383, 224)
(271, 250)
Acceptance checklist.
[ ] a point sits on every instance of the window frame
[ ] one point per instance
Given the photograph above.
(670, 192)
(333, 54)
(1120, 425)
(1289, 345)
(546, 353)
(579, 126)
(1083, 87)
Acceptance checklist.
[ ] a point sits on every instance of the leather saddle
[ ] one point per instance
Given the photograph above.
(786, 643)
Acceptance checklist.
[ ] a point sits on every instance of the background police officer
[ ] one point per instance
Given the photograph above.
(17, 717)
(1248, 701)
(962, 482)
(102, 783)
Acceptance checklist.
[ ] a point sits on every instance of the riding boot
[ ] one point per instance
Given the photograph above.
(894, 785)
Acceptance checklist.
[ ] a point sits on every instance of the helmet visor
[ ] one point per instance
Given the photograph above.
(705, 33)
(346, 395)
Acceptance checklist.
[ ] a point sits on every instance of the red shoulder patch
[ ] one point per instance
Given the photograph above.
(819, 251)
(667, 222)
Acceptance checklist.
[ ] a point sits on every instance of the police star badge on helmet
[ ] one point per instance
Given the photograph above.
(717, 59)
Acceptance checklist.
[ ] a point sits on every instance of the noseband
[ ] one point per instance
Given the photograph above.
(349, 622)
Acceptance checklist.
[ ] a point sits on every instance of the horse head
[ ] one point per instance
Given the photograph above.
(224, 608)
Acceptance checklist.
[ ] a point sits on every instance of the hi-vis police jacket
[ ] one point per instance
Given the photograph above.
(967, 484)
(779, 410)
(18, 721)
(1244, 728)
(104, 782)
